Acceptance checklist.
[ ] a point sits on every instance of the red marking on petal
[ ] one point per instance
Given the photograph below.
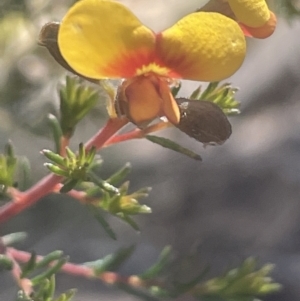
(176, 64)
(261, 32)
(132, 63)
(245, 31)
(126, 64)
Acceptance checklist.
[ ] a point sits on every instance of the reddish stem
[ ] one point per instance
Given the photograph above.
(46, 185)
(79, 270)
(29, 197)
(24, 283)
(76, 194)
(112, 126)
(137, 133)
(64, 142)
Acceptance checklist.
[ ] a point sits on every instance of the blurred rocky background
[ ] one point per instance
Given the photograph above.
(242, 200)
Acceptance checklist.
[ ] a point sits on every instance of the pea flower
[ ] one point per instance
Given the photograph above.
(255, 18)
(103, 39)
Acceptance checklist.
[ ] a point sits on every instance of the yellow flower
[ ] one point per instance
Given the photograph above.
(254, 16)
(103, 39)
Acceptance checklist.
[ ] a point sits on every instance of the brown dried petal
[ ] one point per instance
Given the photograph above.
(48, 38)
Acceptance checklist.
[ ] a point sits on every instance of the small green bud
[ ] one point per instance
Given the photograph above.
(90, 156)
(57, 170)
(5, 263)
(131, 206)
(56, 158)
(8, 165)
(57, 131)
(13, 238)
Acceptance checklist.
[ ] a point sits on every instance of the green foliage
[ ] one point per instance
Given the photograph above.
(162, 263)
(289, 9)
(222, 95)
(13, 238)
(122, 205)
(167, 143)
(247, 282)
(117, 201)
(46, 292)
(102, 194)
(40, 275)
(5, 263)
(244, 283)
(98, 214)
(110, 262)
(73, 167)
(125, 203)
(8, 164)
(56, 131)
(14, 171)
(55, 258)
(76, 100)
(176, 89)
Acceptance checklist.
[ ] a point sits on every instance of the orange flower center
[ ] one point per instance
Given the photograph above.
(146, 97)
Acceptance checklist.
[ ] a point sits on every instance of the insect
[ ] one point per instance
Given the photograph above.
(203, 121)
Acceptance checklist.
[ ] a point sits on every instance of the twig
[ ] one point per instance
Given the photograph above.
(81, 270)
(48, 183)
(24, 283)
(29, 197)
(137, 133)
(112, 126)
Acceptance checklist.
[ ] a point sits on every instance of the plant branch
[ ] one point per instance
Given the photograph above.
(137, 133)
(29, 197)
(46, 185)
(112, 126)
(80, 270)
(24, 283)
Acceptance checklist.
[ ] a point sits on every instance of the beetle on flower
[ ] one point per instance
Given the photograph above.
(102, 39)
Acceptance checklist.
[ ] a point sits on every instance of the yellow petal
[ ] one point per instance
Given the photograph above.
(202, 46)
(253, 13)
(261, 32)
(103, 39)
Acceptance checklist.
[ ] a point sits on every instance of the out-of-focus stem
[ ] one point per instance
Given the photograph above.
(29, 197)
(64, 142)
(80, 270)
(23, 283)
